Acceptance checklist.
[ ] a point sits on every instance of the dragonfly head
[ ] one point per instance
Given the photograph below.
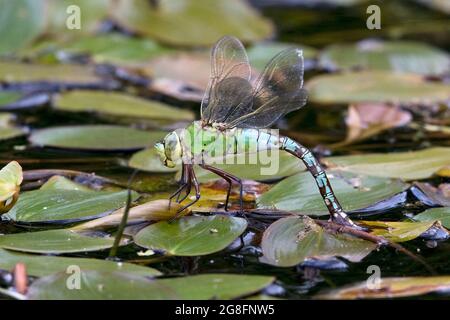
(169, 150)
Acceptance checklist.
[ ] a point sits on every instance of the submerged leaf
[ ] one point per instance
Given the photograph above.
(299, 193)
(411, 165)
(291, 240)
(391, 288)
(44, 265)
(118, 104)
(96, 137)
(191, 236)
(376, 86)
(64, 206)
(192, 23)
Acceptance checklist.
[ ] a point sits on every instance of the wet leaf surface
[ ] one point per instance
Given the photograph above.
(299, 193)
(96, 138)
(191, 236)
(410, 165)
(42, 265)
(375, 86)
(54, 242)
(292, 240)
(64, 206)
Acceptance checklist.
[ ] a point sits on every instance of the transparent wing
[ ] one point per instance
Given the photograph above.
(277, 91)
(229, 83)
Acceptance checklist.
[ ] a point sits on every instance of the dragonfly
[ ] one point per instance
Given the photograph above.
(236, 113)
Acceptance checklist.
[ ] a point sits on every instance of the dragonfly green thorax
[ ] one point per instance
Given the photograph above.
(235, 115)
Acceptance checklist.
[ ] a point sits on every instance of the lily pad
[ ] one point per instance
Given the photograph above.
(113, 286)
(54, 242)
(261, 53)
(299, 193)
(53, 73)
(7, 97)
(398, 231)
(389, 288)
(62, 183)
(10, 179)
(91, 14)
(375, 86)
(192, 23)
(7, 129)
(291, 240)
(261, 166)
(148, 160)
(440, 214)
(115, 48)
(118, 104)
(21, 22)
(155, 210)
(100, 286)
(217, 286)
(65, 206)
(96, 138)
(40, 266)
(411, 165)
(191, 236)
(397, 56)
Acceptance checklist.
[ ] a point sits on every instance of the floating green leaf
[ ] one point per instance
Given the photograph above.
(216, 286)
(257, 166)
(291, 240)
(112, 286)
(191, 236)
(261, 53)
(389, 288)
(27, 72)
(10, 179)
(65, 206)
(40, 266)
(398, 56)
(411, 165)
(375, 86)
(7, 97)
(440, 214)
(192, 23)
(299, 193)
(148, 160)
(60, 14)
(100, 286)
(96, 137)
(118, 104)
(398, 231)
(7, 129)
(54, 242)
(62, 183)
(115, 48)
(21, 21)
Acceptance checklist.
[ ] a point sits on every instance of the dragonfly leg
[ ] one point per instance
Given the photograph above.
(229, 178)
(183, 184)
(337, 214)
(193, 181)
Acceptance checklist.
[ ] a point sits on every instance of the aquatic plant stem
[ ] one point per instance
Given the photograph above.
(123, 222)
